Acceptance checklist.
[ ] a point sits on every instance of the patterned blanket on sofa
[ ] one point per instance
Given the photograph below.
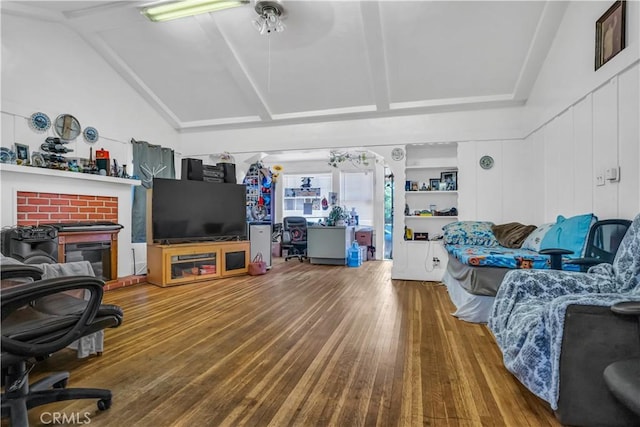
(527, 318)
(499, 256)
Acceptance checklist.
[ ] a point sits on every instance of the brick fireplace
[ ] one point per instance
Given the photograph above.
(33, 196)
(45, 208)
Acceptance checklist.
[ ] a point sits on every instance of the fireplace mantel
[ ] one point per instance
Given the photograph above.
(4, 167)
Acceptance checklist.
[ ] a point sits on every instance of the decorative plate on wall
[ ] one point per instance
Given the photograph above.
(39, 122)
(397, 154)
(90, 134)
(486, 162)
(7, 156)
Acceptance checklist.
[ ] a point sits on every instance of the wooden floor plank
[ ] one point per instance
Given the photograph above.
(302, 345)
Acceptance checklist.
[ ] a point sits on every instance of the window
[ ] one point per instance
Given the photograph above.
(304, 193)
(356, 189)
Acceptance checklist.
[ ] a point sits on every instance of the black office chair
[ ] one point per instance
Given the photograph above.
(601, 246)
(39, 319)
(294, 237)
(623, 376)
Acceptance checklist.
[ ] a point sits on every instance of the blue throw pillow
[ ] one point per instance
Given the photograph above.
(569, 233)
(469, 233)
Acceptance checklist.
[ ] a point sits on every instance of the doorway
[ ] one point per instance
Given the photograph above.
(388, 213)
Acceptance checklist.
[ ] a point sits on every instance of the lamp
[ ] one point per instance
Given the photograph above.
(167, 10)
(270, 15)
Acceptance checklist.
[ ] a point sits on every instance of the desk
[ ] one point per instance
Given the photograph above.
(329, 245)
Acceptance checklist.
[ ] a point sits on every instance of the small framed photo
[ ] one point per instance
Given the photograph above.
(434, 184)
(610, 33)
(450, 179)
(22, 152)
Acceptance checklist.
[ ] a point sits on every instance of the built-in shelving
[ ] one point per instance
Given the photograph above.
(426, 166)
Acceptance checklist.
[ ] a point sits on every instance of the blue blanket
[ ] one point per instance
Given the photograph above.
(499, 256)
(527, 318)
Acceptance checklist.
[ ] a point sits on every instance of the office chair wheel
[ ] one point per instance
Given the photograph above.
(61, 384)
(104, 404)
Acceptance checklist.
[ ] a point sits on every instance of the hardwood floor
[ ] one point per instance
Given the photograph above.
(302, 345)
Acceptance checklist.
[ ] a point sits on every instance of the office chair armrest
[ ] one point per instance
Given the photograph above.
(21, 295)
(556, 256)
(628, 308)
(18, 271)
(585, 261)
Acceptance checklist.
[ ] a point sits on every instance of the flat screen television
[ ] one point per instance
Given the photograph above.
(185, 211)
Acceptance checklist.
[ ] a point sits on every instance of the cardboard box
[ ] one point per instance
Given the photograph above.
(276, 249)
(364, 237)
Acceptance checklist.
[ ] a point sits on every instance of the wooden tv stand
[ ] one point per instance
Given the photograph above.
(177, 264)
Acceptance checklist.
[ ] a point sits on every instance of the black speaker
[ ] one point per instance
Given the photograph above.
(192, 169)
(30, 244)
(229, 172)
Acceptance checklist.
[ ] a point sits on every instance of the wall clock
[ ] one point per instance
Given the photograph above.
(486, 162)
(67, 127)
(397, 154)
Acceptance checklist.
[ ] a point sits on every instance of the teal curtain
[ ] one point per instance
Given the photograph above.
(149, 161)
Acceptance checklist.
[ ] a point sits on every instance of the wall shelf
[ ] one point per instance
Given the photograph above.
(421, 217)
(32, 170)
(432, 193)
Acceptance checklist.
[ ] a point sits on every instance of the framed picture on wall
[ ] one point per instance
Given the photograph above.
(450, 178)
(610, 33)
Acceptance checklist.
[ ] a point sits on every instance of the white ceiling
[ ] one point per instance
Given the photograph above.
(336, 60)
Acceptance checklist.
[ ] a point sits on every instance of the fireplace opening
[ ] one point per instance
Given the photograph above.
(96, 242)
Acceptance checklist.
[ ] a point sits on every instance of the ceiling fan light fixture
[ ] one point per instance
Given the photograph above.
(270, 14)
(167, 10)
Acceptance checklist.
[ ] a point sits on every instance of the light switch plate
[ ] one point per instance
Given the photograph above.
(612, 174)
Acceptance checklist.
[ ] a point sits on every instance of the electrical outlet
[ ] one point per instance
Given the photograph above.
(599, 179)
(436, 261)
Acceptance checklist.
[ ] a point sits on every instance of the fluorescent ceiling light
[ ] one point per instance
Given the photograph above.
(165, 11)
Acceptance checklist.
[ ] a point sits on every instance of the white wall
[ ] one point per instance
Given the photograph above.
(47, 67)
(577, 123)
(568, 72)
(585, 121)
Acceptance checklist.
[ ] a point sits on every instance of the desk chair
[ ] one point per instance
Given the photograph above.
(601, 246)
(623, 376)
(294, 237)
(38, 319)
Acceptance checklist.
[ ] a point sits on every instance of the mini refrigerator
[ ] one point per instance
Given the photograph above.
(260, 238)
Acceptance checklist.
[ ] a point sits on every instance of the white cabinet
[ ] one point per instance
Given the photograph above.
(329, 245)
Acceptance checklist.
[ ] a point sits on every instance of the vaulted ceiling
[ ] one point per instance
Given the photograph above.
(335, 60)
